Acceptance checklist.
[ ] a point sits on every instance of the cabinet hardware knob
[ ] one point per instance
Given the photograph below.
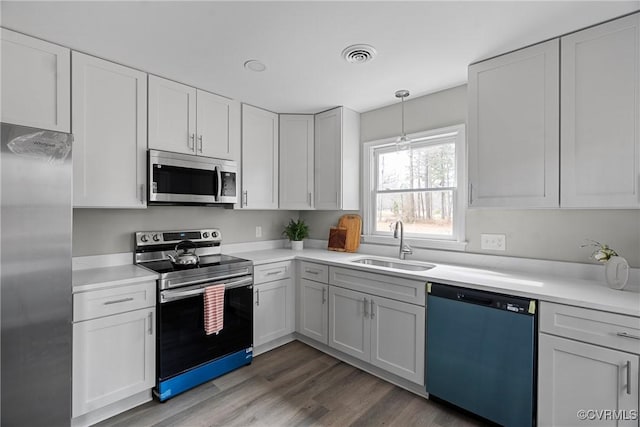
(150, 323)
(372, 313)
(324, 298)
(257, 297)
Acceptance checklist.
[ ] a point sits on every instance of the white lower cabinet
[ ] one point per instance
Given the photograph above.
(575, 376)
(596, 379)
(397, 338)
(349, 325)
(114, 341)
(113, 358)
(314, 310)
(386, 333)
(273, 302)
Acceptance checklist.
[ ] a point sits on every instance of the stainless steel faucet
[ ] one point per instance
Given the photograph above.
(404, 248)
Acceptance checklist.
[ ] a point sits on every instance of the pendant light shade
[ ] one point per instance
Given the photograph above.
(403, 140)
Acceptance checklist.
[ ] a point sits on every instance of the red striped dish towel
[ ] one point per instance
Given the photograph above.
(213, 309)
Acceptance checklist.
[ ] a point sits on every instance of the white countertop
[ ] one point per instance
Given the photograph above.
(578, 292)
(92, 279)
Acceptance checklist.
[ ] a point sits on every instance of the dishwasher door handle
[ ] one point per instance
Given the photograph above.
(475, 299)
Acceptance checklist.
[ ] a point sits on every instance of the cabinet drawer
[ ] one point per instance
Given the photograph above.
(598, 327)
(105, 302)
(270, 272)
(398, 288)
(315, 272)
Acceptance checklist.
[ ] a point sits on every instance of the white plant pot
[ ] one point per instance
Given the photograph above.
(297, 245)
(616, 272)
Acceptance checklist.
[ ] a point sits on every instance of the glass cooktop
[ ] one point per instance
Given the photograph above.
(166, 266)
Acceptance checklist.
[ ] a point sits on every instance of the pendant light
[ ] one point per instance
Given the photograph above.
(403, 140)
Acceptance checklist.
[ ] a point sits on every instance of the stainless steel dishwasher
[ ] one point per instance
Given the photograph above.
(481, 350)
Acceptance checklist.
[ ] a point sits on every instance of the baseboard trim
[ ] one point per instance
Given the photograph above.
(112, 409)
(273, 344)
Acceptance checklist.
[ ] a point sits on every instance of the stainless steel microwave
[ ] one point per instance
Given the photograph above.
(184, 179)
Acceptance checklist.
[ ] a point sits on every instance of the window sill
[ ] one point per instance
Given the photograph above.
(447, 245)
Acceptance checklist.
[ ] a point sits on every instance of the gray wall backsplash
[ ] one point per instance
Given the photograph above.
(106, 231)
(552, 234)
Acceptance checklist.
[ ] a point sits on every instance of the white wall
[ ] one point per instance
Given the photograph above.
(105, 231)
(554, 234)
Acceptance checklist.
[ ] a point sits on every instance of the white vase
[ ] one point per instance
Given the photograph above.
(297, 245)
(616, 272)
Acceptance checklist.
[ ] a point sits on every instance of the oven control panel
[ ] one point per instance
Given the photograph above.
(150, 238)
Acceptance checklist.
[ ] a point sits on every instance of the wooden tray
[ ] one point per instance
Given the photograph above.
(353, 224)
(337, 239)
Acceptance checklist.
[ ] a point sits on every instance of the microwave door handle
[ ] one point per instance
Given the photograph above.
(219, 192)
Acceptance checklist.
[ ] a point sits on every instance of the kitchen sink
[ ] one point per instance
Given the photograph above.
(398, 265)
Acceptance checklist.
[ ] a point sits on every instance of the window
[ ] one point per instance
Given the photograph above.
(418, 184)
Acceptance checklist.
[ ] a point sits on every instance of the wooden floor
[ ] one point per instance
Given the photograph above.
(294, 385)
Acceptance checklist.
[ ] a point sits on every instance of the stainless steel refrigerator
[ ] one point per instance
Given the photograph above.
(35, 276)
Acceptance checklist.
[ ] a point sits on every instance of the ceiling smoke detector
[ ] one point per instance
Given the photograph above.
(359, 53)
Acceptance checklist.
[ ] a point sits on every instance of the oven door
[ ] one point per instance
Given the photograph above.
(182, 342)
(179, 178)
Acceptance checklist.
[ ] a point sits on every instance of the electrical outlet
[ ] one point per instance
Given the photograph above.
(493, 242)
(258, 231)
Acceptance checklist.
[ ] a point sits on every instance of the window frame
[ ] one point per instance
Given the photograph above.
(369, 179)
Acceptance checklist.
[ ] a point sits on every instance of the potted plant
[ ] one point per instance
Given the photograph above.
(296, 231)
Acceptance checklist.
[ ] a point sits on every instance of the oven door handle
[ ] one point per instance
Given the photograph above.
(218, 279)
(167, 296)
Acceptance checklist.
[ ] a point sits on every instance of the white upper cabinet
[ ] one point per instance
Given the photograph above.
(259, 158)
(337, 160)
(296, 161)
(172, 116)
(218, 126)
(600, 129)
(110, 134)
(187, 120)
(514, 129)
(36, 78)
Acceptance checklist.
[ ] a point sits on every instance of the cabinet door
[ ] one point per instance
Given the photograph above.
(349, 326)
(172, 116)
(36, 82)
(397, 338)
(113, 358)
(601, 116)
(274, 308)
(110, 134)
(259, 158)
(574, 376)
(328, 171)
(296, 161)
(514, 129)
(215, 138)
(314, 310)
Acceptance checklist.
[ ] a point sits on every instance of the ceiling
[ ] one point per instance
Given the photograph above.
(423, 46)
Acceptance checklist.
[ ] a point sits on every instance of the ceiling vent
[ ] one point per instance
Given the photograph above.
(359, 53)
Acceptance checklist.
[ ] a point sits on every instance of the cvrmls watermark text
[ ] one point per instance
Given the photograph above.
(607, 414)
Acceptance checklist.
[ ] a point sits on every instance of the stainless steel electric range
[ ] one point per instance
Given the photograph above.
(186, 355)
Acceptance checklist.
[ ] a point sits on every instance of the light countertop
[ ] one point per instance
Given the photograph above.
(108, 277)
(578, 292)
